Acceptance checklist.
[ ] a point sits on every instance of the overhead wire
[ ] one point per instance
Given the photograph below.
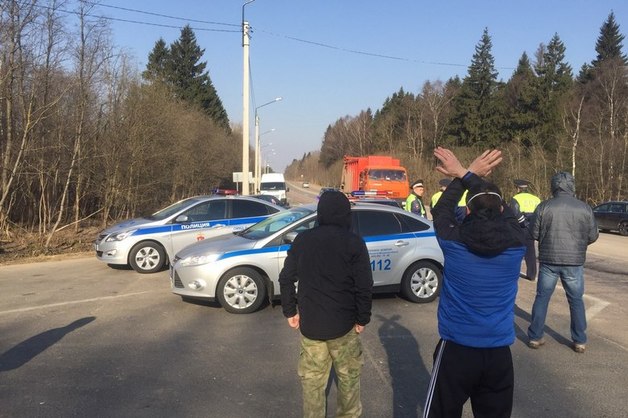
(292, 38)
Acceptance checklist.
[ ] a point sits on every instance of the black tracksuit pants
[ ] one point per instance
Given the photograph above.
(483, 374)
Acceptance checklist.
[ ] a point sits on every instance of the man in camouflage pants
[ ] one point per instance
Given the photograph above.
(333, 269)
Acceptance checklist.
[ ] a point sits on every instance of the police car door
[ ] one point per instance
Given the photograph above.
(388, 246)
(199, 222)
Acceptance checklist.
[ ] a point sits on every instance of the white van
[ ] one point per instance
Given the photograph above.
(274, 184)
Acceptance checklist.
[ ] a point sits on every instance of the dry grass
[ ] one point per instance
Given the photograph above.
(29, 247)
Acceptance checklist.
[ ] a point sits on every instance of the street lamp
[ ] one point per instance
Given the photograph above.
(258, 159)
(257, 135)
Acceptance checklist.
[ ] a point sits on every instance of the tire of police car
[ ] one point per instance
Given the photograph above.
(421, 282)
(241, 290)
(147, 257)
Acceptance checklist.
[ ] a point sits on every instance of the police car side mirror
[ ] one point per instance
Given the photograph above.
(182, 219)
(289, 237)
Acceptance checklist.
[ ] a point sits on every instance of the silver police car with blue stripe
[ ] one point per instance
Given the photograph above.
(148, 243)
(241, 270)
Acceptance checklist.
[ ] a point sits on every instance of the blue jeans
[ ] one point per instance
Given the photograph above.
(572, 278)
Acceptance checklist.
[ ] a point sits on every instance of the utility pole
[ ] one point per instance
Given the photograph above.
(245, 105)
(246, 93)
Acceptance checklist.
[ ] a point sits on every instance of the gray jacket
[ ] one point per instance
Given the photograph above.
(564, 226)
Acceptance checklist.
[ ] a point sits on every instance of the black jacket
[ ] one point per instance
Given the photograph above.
(333, 270)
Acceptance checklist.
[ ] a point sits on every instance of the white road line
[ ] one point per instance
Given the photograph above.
(54, 305)
(597, 306)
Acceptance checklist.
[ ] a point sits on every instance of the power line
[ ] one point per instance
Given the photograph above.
(370, 54)
(137, 22)
(292, 38)
(161, 15)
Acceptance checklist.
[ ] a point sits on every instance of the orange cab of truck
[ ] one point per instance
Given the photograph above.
(375, 173)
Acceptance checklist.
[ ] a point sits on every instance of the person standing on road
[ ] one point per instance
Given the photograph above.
(332, 305)
(414, 201)
(564, 226)
(476, 308)
(525, 203)
(442, 185)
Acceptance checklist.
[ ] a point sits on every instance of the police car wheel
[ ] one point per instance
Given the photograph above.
(623, 228)
(421, 282)
(147, 257)
(241, 291)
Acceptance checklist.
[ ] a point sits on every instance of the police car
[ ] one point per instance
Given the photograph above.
(241, 270)
(148, 243)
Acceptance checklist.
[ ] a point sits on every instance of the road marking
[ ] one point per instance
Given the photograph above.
(54, 305)
(597, 306)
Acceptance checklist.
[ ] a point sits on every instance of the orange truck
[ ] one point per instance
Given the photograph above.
(375, 173)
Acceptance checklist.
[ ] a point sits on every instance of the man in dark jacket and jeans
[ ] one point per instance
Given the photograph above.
(483, 256)
(333, 270)
(564, 227)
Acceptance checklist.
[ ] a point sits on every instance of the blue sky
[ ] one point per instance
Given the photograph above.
(327, 58)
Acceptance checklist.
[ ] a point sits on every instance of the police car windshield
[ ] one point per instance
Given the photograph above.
(274, 223)
(172, 209)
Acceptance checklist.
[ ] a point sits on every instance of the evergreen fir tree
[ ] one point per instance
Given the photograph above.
(554, 81)
(520, 102)
(180, 67)
(158, 60)
(609, 43)
(475, 119)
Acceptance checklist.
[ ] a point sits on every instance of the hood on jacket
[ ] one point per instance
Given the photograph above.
(563, 182)
(334, 209)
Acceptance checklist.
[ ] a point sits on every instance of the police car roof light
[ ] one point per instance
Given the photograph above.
(224, 192)
(371, 193)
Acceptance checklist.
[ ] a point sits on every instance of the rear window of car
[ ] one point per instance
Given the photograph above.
(367, 223)
(413, 224)
(248, 208)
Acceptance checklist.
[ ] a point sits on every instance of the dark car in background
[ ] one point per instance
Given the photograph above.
(612, 216)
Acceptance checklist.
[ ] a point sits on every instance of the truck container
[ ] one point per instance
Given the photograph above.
(375, 173)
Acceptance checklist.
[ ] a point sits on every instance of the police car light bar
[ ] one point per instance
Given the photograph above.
(357, 193)
(224, 192)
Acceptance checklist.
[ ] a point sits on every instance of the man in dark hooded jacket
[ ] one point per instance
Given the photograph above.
(332, 306)
(483, 256)
(564, 226)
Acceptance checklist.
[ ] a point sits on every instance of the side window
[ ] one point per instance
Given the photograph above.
(411, 224)
(302, 226)
(617, 208)
(248, 208)
(603, 208)
(367, 223)
(207, 211)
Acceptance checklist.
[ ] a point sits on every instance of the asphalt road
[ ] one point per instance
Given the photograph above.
(78, 338)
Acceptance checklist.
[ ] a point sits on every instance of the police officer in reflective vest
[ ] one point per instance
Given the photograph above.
(524, 203)
(442, 185)
(414, 202)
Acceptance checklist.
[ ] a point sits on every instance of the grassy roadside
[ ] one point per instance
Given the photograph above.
(27, 247)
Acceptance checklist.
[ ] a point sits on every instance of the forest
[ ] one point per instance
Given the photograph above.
(87, 138)
(545, 119)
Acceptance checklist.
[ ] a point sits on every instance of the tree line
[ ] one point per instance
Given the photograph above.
(544, 118)
(84, 137)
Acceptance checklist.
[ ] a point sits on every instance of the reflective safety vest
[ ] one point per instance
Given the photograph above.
(463, 199)
(527, 202)
(410, 199)
(435, 198)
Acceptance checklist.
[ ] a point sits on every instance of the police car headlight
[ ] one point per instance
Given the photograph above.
(120, 235)
(197, 260)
